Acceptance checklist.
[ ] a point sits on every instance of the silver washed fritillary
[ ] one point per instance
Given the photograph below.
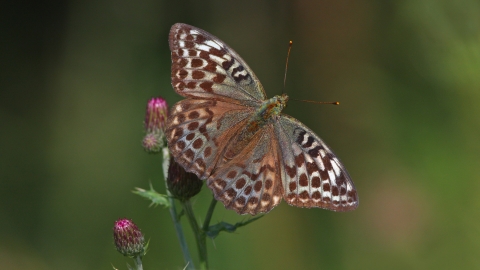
(230, 134)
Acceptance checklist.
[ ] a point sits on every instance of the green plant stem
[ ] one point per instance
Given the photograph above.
(138, 262)
(209, 215)
(173, 214)
(200, 235)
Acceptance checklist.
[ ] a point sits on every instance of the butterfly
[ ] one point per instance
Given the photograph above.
(227, 132)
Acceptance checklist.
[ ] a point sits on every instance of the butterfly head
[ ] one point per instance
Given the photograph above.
(281, 102)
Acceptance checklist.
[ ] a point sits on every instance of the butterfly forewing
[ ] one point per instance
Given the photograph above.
(227, 133)
(198, 130)
(203, 66)
(312, 174)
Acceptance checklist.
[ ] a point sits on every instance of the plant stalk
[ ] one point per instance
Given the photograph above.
(138, 262)
(173, 213)
(200, 235)
(209, 215)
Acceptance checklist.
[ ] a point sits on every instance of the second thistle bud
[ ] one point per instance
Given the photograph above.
(181, 184)
(128, 238)
(156, 115)
(155, 120)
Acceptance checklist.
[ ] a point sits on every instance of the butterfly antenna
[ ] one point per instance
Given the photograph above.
(286, 65)
(285, 81)
(317, 102)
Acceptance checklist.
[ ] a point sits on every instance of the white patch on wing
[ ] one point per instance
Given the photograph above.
(216, 59)
(212, 43)
(276, 199)
(301, 189)
(305, 139)
(235, 65)
(220, 70)
(331, 175)
(335, 168)
(320, 164)
(202, 47)
(243, 72)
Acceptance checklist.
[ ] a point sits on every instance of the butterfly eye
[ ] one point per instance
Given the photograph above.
(284, 100)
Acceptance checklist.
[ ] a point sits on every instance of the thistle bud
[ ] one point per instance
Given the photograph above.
(181, 184)
(156, 115)
(128, 238)
(155, 120)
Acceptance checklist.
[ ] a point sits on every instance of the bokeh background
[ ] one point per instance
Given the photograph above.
(76, 76)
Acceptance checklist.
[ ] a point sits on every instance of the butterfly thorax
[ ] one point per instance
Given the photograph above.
(270, 108)
(264, 115)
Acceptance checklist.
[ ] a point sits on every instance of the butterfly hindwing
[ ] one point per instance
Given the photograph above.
(203, 66)
(250, 182)
(312, 174)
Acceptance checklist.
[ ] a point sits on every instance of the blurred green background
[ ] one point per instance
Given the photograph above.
(76, 76)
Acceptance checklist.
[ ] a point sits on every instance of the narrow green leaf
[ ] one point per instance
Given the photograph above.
(155, 197)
